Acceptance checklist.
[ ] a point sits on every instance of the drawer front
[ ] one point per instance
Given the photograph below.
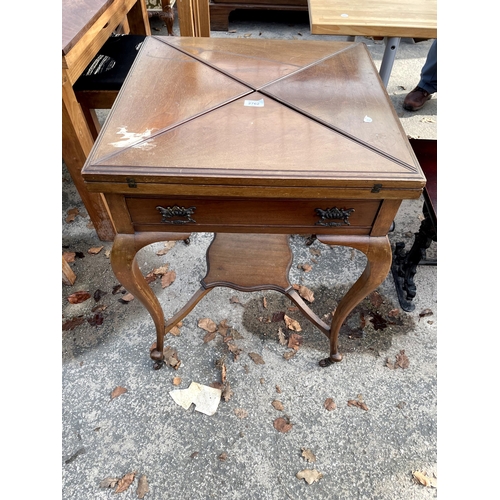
(262, 215)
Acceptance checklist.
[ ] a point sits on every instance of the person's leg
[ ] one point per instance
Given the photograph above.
(427, 85)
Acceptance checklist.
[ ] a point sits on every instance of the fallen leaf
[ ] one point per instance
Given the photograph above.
(402, 360)
(72, 213)
(309, 475)
(128, 297)
(304, 292)
(305, 267)
(256, 358)
(69, 257)
(426, 312)
(168, 278)
(160, 271)
(175, 330)
(393, 313)
(207, 324)
(234, 300)
(264, 302)
(330, 404)
(142, 487)
(223, 456)
(422, 478)
(108, 482)
(176, 380)
(289, 354)
(292, 324)
(278, 389)
(125, 482)
(376, 299)
(118, 391)
(96, 320)
(308, 455)
(223, 327)
(295, 341)
(235, 350)
(358, 403)
(209, 336)
(240, 413)
(227, 393)
(118, 289)
(315, 251)
(278, 405)
(282, 424)
(72, 323)
(99, 294)
(278, 316)
(171, 357)
(95, 250)
(78, 297)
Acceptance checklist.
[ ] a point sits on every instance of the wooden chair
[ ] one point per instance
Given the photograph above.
(101, 81)
(404, 264)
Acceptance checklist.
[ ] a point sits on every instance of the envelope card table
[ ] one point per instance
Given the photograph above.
(252, 140)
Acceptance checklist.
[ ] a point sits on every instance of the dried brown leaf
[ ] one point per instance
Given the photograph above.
(330, 404)
(295, 341)
(264, 302)
(256, 358)
(142, 487)
(402, 360)
(376, 299)
(422, 478)
(227, 393)
(308, 455)
(223, 327)
(168, 278)
(281, 336)
(69, 257)
(223, 456)
(175, 331)
(305, 267)
(176, 380)
(426, 312)
(171, 357)
(278, 389)
(78, 297)
(128, 297)
(305, 293)
(209, 336)
(234, 300)
(235, 350)
(278, 405)
(95, 250)
(168, 246)
(72, 323)
(72, 213)
(118, 391)
(207, 324)
(125, 482)
(309, 475)
(240, 413)
(282, 425)
(292, 324)
(289, 354)
(358, 403)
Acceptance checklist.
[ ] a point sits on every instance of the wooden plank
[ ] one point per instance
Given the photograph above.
(185, 15)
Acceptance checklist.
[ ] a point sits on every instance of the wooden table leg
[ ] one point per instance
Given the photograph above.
(378, 253)
(76, 145)
(124, 265)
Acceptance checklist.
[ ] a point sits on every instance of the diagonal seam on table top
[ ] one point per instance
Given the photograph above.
(262, 89)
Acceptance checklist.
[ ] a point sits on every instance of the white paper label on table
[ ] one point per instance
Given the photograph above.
(205, 398)
(254, 104)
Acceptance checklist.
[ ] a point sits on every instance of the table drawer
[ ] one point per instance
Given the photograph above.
(233, 215)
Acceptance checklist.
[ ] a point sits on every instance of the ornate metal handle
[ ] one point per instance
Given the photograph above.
(168, 214)
(327, 215)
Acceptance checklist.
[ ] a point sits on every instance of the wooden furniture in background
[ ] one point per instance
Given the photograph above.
(85, 28)
(404, 263)
(220, 9)
(253, 140)
(194, 17)
(392, 19)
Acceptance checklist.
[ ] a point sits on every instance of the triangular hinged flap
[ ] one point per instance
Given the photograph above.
(147, 112)
(344, 92)
(256, 62)
(254, 134)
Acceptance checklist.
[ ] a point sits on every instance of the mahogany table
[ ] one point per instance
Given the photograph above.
(392, 19)
(86, 25)
(252, 140)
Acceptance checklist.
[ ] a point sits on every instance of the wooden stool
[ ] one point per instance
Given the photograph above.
(404, 264)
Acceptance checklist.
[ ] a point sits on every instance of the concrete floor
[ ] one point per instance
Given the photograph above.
(237, 453)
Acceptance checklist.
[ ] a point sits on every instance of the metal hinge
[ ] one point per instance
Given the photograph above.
(131, 182)
(376, 188)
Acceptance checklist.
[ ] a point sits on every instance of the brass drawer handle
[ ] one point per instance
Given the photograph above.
(168, 214)
(333, 213)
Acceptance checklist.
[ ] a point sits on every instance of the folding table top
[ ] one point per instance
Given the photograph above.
(254, 112)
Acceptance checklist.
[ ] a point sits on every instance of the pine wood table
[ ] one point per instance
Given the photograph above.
(392, 19)
(86, 25)
(252, 140)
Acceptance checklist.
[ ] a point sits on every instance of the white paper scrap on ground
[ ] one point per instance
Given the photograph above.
(205, 398)
(367, 119)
